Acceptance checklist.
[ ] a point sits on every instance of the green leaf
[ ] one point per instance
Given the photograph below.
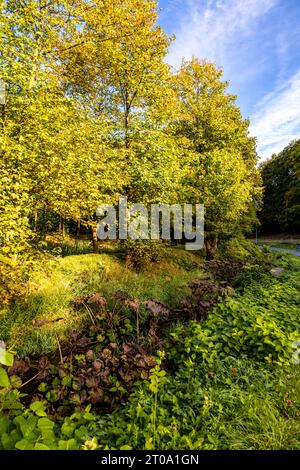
(71, 444)
(45, 424)
(39, 446)
(4, 380)
(6, 358)
(15, 381)
(38, 408)
(24, 444)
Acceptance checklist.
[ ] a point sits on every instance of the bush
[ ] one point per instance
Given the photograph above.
(250, 274)
(286, 260)
(140, 253)
(14, 275)
(258, 325)
(225, 270)
(226, 390)
(237, 404)
(241, 248)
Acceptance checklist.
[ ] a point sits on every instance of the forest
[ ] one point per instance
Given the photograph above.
(138, 344)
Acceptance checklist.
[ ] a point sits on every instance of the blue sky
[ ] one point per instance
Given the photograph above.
(257, 43)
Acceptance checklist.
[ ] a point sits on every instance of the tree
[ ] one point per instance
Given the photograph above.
(281, 180)
(93, 111)
(120, 71)
(121, 76)
(62, 148)
(219, 155)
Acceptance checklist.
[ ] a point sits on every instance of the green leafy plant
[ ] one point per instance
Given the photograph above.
(139, 254)
(257, 324)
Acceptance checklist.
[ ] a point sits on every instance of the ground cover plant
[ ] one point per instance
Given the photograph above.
(146, 373)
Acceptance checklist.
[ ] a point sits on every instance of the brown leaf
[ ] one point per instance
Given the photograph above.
(96, 396)
(134, 305)
(121, 295)
(20, 366)
(91, 382)
(97, 364)
(97, 299)
(157, 308)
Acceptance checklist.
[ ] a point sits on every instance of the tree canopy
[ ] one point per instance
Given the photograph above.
(93, 111)
(281, 180)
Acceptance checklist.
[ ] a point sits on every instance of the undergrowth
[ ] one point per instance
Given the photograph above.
(175, 357)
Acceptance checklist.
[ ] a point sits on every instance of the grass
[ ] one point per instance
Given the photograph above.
(237, 405)
(75, 246)
(52, 289)
(279, 244)
(236, 402)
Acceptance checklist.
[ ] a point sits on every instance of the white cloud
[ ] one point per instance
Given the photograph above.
(277, 120)
(232, 33)
(211, 27)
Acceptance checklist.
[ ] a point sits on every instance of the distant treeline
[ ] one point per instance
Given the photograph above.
(281, 179)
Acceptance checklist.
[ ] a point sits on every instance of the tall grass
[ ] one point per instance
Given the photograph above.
(52, 290)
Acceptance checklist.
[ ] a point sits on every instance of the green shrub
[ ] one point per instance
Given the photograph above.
(236, 404)
(261, 324)
(14, 276)
(225, 390)
(241, 248)
(69, 247)
(31, 428)
(249, 274)
(140, 253)
(286, 260)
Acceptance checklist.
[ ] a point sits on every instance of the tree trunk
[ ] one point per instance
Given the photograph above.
(78, 228)
(35, 221)
(63, 229)
(126, 119)
(44, 223)
(211, 246)
(95, 240)
(126, 123)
